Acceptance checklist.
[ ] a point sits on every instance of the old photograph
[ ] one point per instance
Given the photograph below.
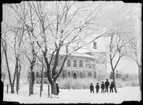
(71, 52)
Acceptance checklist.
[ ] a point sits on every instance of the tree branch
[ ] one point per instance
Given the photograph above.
(117, 63)
(55, 61)
(57, 75)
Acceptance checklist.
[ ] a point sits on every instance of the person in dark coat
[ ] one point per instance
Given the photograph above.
(91, 88)
(97, 87)
(102, 87)
(57, 89)
(106, 85)
(111, 86)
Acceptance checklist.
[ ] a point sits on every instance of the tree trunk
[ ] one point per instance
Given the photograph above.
(32, 83)
(8, 69)
(54, 88)
(32, 88)
(12, 88)
(139, 75)
(19, 76)
(115, 88)
(42, 79)
(17, 80)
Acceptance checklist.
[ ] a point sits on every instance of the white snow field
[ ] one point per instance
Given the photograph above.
(73, 95)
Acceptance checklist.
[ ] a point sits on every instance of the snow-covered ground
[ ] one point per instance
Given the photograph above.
(73, 96)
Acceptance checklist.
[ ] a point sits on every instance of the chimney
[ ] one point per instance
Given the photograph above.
(94, 45)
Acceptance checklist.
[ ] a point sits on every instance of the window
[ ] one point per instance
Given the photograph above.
(80, 63)
(88, 66)
(94, 74)
(74, 75)
(89, 74)
(69, 74)
(74, 63)
(81, 75)
(37, 74)
(94, 45)
(68, 63)
(63, 74)
(89, 63)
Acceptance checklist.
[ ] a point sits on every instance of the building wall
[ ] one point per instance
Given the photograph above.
(90, 67)
(78, 59)
(81, 72)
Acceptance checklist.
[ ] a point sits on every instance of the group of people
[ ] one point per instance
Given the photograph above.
(104, 87)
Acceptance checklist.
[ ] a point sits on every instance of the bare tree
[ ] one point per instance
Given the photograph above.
(26, 18)
(117, 50)
(61, 30)
(122, 22)
(18, 35)
(32, 60)
(42, 65)
(134, 53)
(3, 69)
(56, 30)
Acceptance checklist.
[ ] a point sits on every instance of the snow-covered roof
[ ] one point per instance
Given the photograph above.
(87, 54)
(82, 55)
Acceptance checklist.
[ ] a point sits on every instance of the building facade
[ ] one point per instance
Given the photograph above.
(79, 65)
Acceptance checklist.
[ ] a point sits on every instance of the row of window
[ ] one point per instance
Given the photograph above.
(38, 75)
(75, 75)
(74, 63)
(69, 74)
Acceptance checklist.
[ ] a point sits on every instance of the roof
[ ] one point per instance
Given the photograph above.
(82, 55)
(88, 54)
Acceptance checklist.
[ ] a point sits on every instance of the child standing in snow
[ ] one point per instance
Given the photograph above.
(97, 87)
(91, 88)
(111, 86)
(106, 85)
(102, 87)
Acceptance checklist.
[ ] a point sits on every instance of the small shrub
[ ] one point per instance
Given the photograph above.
(125, 83)
(79, 83)
(84, 83)
(101, 77)
(134, 83)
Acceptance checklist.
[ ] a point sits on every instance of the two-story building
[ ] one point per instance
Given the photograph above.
(79, 65)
